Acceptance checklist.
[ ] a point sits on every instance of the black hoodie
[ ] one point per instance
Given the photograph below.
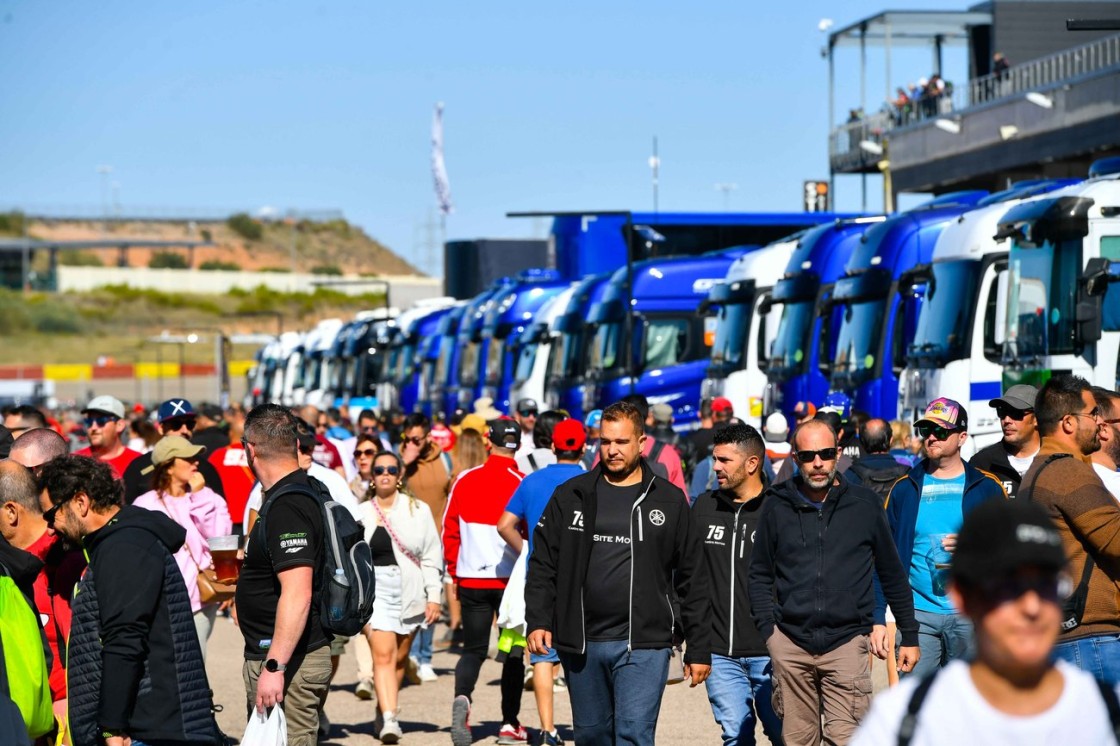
(811, 571)
(135, 662)
(664, 560)
(726, 531)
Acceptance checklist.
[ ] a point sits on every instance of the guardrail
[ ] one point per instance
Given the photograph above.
(1018, 80)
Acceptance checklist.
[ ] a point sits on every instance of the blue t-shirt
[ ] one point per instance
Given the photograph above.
(534, 492)
(939, 513)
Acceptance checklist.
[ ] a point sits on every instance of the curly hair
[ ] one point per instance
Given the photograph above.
(66, 476)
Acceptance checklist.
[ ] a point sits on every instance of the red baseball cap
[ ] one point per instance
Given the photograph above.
(720, 404)
(569, 435)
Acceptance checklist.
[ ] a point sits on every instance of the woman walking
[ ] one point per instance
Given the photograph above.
(407, 560)
(181, 493)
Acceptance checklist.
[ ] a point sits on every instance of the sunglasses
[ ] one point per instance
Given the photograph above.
(808, 457)
(48, 515)
(415, 441)
(937, 431)
(1055, 588)
(178, 424)
(365, 452)
(528, 413)
(390, 470)
(100, 420)
(1012, 414)
(369, 428)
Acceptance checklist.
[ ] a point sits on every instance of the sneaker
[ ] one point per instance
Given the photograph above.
(549, 739)
(324, 726)
(513, 735)
(364, 689)
(461, 721)
(391, 730)
(528, 683)
(427, 673)
(560, 684)
(411, 670)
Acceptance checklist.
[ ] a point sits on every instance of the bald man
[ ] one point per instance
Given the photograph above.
(38, 446)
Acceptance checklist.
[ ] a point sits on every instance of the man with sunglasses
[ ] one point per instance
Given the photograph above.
(135, 669)
(175, 417)
(1106, 461)
(1007, 578)
(818, 545)
(925, 509)
(526, 415)
(1062, 480)
(105, 423)
(1010, 458)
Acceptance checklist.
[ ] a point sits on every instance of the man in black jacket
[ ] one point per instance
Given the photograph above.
(819, 542)
(1010, 458)
(134, 663)
(724, 521)
(601, 584)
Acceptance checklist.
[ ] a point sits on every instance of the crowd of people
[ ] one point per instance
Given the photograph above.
(613, 555)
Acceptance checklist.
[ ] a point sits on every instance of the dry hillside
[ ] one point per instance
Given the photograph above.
(334, 243)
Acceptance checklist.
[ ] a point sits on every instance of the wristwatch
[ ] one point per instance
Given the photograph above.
(273, 666)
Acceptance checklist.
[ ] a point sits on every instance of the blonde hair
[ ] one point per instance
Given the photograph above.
(900, 434)
(469, 452)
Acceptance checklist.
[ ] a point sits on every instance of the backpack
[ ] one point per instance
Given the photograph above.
(25, 680)
(879, 480)
(910, 720)
(659, 468)
(346, 579)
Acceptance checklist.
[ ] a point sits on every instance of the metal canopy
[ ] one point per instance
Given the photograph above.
(910, 28)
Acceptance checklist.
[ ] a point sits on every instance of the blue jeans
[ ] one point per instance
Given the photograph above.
(422, 645)
(615, 695)
(736, 684)
(1099, 656)
(942, 638)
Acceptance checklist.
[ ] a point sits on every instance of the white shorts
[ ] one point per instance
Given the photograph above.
(387, 602)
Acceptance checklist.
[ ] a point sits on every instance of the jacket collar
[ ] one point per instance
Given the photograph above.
(1052, 445)
(585, 484)
(790, 491)
(972, 475)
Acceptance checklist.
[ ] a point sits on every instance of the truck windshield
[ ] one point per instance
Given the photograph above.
(790, 348)
(494, 353)
(666, 342)
(526, 358)
(404, 362)
(731, 333)
(1042, 298)
(857, 344)
(468, 364)
(370, 373)
(446, 348)
(604, 350)
(947, 311)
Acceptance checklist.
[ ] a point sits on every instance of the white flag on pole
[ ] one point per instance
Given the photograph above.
(439, 169)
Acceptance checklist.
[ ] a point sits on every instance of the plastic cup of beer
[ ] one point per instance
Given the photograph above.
(224, 552)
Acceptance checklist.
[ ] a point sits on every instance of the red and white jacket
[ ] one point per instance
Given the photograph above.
(476, 556)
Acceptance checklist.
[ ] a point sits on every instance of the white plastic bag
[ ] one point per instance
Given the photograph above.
(260, 731)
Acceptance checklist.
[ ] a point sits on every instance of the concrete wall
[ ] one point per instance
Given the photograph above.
(404, 291)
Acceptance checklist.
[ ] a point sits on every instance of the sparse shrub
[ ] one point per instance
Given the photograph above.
(326, 269)
(79, 259)
(218, 264)
(243, 225)
(167, 260)
(13, 223)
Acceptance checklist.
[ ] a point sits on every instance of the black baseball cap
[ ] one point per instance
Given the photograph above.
(1000, 536)
(505, 433)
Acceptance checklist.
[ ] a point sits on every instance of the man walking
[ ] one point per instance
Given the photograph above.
(608, 554)
(1010, 458)
(724, 522)
(479, 563)
(176, 417)
(1088, 521)
(524, 510)
(877, 470)
(810, 584)
(287, 653)
(1106, 461)
(1007, 578)
(925, 510)
(105, 423)
(135, 669)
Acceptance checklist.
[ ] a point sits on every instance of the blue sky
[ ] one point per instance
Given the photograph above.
(329, 105)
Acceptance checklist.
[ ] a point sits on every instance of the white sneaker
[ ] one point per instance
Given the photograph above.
(411, 670)
(364, 689)
(427, 673)
(391, 731)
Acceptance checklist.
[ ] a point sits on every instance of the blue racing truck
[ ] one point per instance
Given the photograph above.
(649, 338)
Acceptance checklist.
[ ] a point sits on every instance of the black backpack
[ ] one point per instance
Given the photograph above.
(879, 479)
(346, 579)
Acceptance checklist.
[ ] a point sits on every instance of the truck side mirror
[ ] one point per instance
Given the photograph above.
(1096, 277)
(765, 305)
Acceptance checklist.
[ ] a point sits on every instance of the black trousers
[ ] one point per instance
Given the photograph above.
(479, 605)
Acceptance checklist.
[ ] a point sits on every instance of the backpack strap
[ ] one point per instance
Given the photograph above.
(910, 720)
(1112, 704)
(658, 447)
(1023, 490)
(291, 489)
(532, 462)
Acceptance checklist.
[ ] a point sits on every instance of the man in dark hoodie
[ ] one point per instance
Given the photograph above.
(724, 520)
(819, 543)
(614, 625)
(134, 664)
